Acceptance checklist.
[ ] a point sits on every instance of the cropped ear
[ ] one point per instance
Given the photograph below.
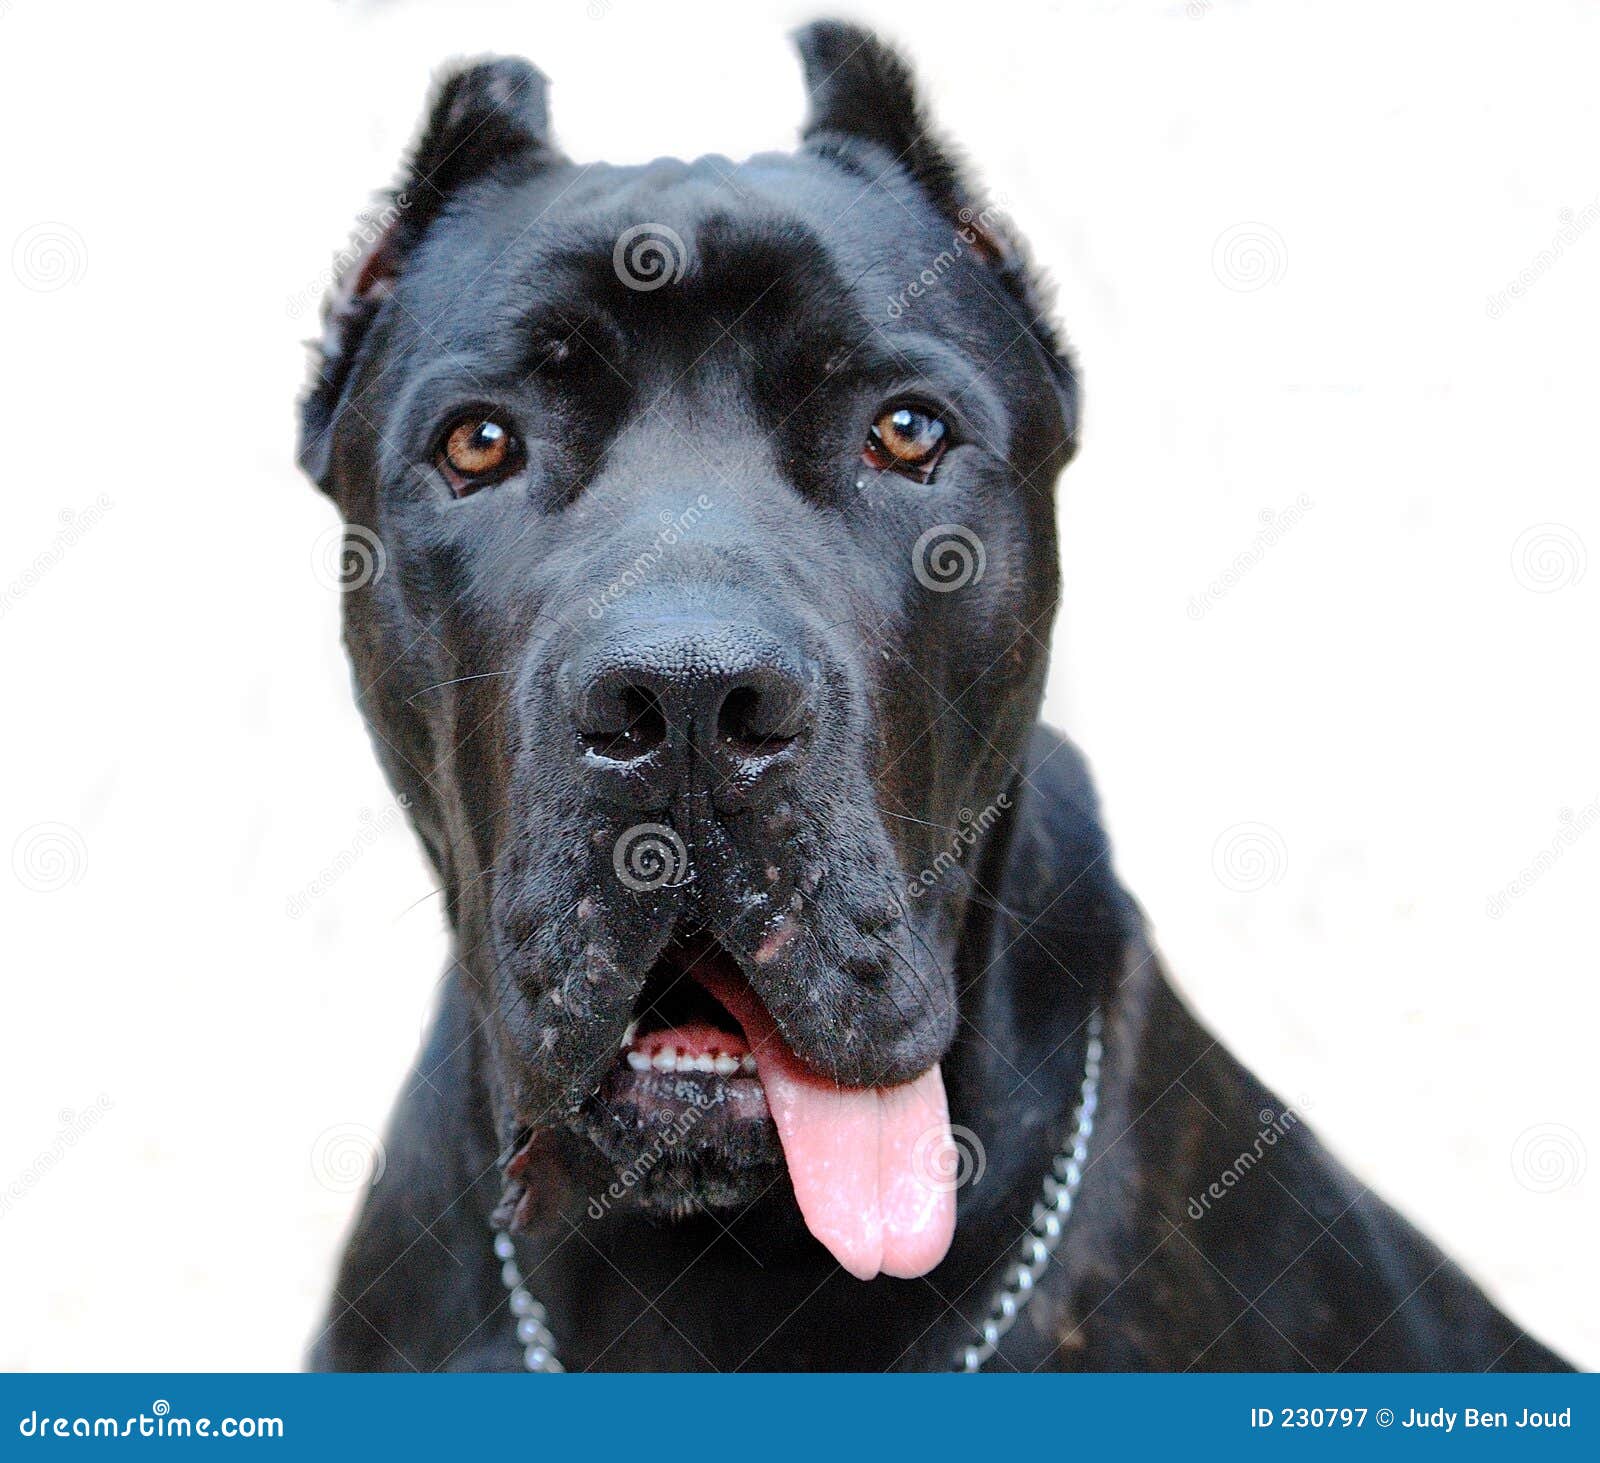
(865, 113)
(862, 91)
(485, 117)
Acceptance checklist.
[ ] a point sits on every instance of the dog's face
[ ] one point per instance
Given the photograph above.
(714, 511)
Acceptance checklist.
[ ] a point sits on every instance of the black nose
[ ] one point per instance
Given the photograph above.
(659, 697)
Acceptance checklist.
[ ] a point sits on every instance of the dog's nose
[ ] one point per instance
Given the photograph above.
(661, 696)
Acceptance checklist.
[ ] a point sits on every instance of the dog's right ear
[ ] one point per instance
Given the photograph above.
(488, 116)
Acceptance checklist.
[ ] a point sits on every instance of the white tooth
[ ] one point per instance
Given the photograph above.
(639, 1061)
(724, 1065)
(627, 1036)
(747, 1065)
(665, 1060)
(703, 1063)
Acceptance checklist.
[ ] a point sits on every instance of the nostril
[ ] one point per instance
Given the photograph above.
(754, 722)
(631, 724)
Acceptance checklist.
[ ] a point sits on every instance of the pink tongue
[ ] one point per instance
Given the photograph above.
(871, 1167)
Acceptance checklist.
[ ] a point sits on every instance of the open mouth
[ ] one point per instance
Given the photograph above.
(871, 1167)
(679, 1026)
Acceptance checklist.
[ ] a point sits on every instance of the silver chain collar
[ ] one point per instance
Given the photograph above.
(1045, 1228)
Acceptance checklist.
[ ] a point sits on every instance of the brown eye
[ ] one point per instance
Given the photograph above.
(907, 439)
(478, 450)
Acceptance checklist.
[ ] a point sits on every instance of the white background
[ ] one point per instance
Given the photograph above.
(1277, 231)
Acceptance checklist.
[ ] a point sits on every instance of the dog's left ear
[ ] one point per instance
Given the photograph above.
(863, 100)
(860, 89)
(484, 117)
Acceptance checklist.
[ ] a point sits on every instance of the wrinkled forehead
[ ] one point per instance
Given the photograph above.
(777, 249)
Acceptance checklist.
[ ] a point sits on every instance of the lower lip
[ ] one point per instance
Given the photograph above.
(663, 1094)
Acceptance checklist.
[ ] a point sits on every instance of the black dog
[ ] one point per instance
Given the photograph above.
(706, 521)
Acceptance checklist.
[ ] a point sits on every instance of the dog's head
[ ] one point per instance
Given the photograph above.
(702, 558)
